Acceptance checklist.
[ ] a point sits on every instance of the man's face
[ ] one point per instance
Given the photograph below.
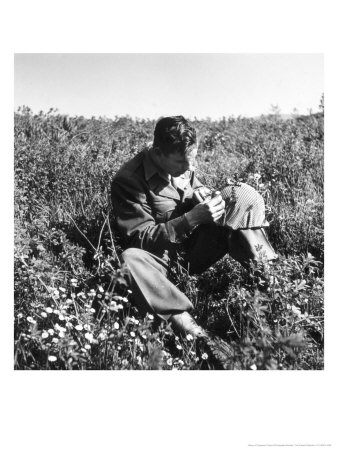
(175, 164)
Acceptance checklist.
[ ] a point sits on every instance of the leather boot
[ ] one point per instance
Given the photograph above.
(249, 244)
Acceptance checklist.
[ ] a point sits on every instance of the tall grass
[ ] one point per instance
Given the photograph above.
(73, 309)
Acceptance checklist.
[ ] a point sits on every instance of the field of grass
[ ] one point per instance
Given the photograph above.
(72, 306)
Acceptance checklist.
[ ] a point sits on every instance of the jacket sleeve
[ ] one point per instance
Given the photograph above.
(135, 221)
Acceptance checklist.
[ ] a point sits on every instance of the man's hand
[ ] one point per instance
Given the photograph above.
(201, 194)
(209, 211)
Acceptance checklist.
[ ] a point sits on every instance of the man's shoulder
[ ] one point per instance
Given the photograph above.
(130, 179)
(131, 168)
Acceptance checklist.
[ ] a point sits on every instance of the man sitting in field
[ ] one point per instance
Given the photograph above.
(163, 210)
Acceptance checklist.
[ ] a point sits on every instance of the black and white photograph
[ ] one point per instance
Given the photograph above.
(169, 211)
(168, 225)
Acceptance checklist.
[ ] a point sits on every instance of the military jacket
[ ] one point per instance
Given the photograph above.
(149, 207)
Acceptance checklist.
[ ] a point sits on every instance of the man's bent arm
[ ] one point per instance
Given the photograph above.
(135, 220)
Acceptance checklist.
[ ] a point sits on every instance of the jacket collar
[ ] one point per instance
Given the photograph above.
(158, 182)
(150, 168)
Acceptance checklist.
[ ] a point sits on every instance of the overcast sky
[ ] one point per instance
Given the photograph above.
(149, 85)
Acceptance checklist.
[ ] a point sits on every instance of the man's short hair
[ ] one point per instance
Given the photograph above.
(174, 134)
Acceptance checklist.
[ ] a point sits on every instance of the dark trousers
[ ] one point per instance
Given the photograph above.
(148, 274)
